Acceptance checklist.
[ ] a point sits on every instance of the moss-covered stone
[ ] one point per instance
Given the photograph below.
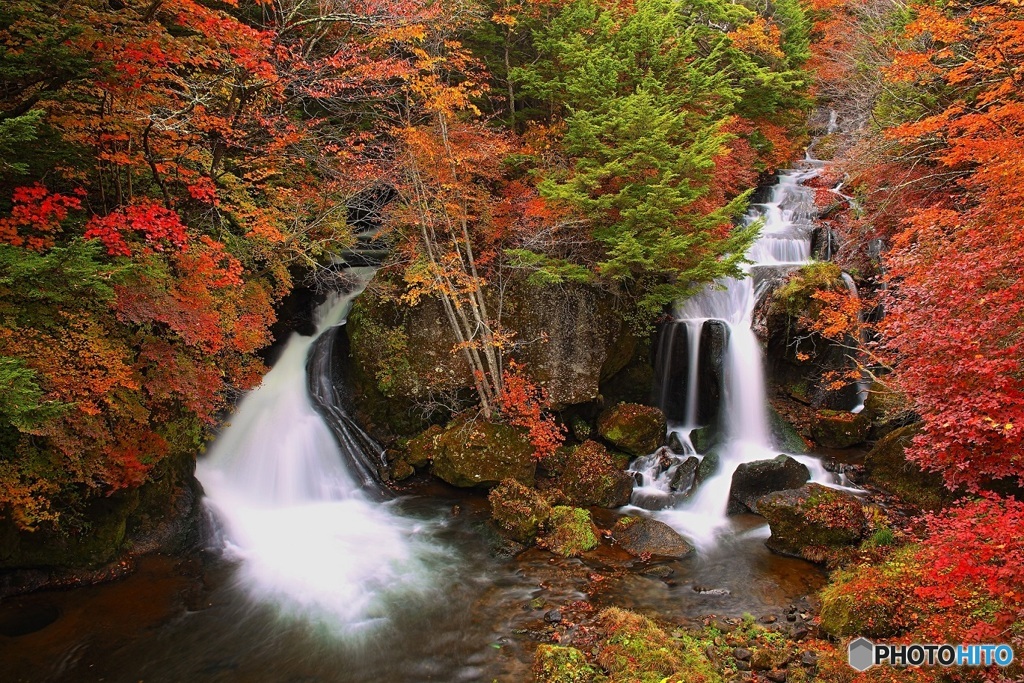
(708, 467)
(633, 428)
(785, 437)
(873, 600)
(590, 476)
(470, 452)
(812, 521)
(642, 536)
(886, 466)
(570, 532)
(752, 480)
(839, 428)
(703, 438)
(636, 650)
(557, 664)
(162, 514)
(518, 511)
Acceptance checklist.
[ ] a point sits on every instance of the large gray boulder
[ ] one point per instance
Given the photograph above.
(752, 480)
(642, 536)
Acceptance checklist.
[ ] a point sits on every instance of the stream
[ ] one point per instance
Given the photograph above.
(311, 574)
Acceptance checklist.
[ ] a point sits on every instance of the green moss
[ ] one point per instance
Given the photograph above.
(591, 477)
(557, 664)
(872, 600)
(636, 650)
(840, 429)
(470, 452)
(633, 428)
(887, 467)
(794, 298)
(570, 532)
(517, 510)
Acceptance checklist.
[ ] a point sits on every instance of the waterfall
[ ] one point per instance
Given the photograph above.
(742, 425)
(294, 512)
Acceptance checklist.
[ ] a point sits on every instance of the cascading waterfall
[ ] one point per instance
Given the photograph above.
(307, 536)
(744, 433)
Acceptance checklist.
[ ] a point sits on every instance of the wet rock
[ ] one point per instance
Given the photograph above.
(799, 632)
(742, 654)
(811, 521)
(659, 572)
(839, 428)
(705, 590)
(642, 536)
(809, 658)
(886, 467)
(776, 676)
(633, 428)
(714, 340)
(685, 475)
(768, 619)
(570, 532)
(742, 666)
(753, 480)
(675, 444)
(708, 467)
(553, 616)
(470, 453)
(703, 438)
(590, 477)
(518, 511)
(784, 435)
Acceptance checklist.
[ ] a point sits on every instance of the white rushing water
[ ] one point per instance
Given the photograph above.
(784, 244)
(308, 540)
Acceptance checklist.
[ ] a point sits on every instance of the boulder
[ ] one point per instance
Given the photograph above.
(685, 476)
(570, 532)
(886, 466)
(633, 428)
(703, 438)
(470, 452)
(839, 428)
(708, 467)
(590, 476)
(810, 521)
(752, 480)
(642, 536)
(518, 511)
(785, 437)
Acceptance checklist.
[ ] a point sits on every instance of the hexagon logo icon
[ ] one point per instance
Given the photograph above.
(862, 654)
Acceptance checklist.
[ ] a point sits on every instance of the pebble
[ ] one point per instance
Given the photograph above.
(743, 666)
(768, 619)
(809, 658)
(776, 676)
(799, 632)
(553, 616)
(742, 654)
(790, 617)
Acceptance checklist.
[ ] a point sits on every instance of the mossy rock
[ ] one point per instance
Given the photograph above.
(518, 511)
(592, 477)
(708, 467)
(471, 452)
(642, 536)
(840, 429)
(886, 466)
(785, 437)
(570, 532)
(873, 600)
(636, 650)
(813, 520)
(753, 480)
(633, 428)
(704, 438)
(558, 664)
